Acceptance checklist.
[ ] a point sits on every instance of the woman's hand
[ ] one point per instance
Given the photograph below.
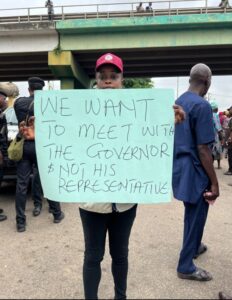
(28, 132)
(179, 114)
(21, 127)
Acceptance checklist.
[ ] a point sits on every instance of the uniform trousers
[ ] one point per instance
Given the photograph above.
(37, 195)
(24, 170)
(95, 227)
(194, 223)
(1, 173)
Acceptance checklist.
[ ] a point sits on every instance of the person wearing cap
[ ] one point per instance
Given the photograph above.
(3, 141)
(228, 142)
(194, 178)
(115, 218)
(24, 108)
(217, 145)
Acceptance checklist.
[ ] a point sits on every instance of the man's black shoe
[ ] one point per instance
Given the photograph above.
(36, 211)
(199, 275)
(59, 218)
(3, 218)
(21, 227)
(1, 211)
(222, 295)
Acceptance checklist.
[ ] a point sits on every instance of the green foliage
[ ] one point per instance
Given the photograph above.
(57, 50)
(133, 83)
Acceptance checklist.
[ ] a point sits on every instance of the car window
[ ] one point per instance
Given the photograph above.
(10, 116)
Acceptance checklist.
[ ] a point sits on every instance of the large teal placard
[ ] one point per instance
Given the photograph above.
(105, 145)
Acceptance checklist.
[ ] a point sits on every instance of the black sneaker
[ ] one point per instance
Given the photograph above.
(21, 227)
(3, 218)
(228, 173)
(58, 219)
(1, 211)
(36, 211)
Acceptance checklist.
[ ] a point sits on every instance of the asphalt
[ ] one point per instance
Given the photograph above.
(45, 262)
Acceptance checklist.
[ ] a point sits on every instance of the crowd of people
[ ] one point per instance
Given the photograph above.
(140, 8)
(223, 4)
(222, 128)
(196, 143)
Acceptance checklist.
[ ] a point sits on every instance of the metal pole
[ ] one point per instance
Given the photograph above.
(62, 12)
(177, 86)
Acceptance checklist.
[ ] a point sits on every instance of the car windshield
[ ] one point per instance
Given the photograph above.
(10, 116)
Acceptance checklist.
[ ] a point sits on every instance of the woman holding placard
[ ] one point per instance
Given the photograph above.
(100, 218)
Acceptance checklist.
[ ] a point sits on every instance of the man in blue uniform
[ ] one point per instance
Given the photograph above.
(194, 178)
(24, 108)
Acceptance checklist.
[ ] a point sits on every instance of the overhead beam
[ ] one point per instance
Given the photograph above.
(144, 33)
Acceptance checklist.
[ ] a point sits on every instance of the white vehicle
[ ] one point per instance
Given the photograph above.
(9, 170)
(12, 123)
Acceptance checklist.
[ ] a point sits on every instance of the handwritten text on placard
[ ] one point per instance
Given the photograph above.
(105, 145)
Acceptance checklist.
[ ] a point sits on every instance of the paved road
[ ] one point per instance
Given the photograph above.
(45, 262)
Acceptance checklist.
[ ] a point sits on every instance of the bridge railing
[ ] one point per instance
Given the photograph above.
(106, 10)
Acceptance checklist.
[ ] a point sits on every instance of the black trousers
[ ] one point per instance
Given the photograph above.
(95, 227)
(37, 194)
(1, 173)
(194, 223)
(230, 159)
(24, 170)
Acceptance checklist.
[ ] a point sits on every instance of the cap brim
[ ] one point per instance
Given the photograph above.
(108, 63)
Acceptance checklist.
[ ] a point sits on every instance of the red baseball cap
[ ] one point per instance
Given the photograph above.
(111, 59)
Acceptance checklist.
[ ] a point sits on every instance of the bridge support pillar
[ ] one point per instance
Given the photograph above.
(67, 83)
(65, 68)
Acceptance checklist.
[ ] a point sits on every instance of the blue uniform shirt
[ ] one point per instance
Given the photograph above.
(189, 178)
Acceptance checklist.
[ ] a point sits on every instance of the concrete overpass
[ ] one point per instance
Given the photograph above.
(151, 44)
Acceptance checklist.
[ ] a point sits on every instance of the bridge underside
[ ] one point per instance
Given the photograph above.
(162, 62)
(20, 66)
(150, 47)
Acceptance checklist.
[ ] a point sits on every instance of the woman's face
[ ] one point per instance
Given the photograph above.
(107, 77)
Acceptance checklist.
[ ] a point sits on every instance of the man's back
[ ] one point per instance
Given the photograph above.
(189, 177)
(22, 108)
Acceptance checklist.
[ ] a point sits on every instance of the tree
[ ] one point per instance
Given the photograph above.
(133, 83)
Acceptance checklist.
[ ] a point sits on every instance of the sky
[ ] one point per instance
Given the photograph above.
(221, 87)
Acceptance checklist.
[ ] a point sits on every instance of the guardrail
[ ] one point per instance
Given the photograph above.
(106, 10)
